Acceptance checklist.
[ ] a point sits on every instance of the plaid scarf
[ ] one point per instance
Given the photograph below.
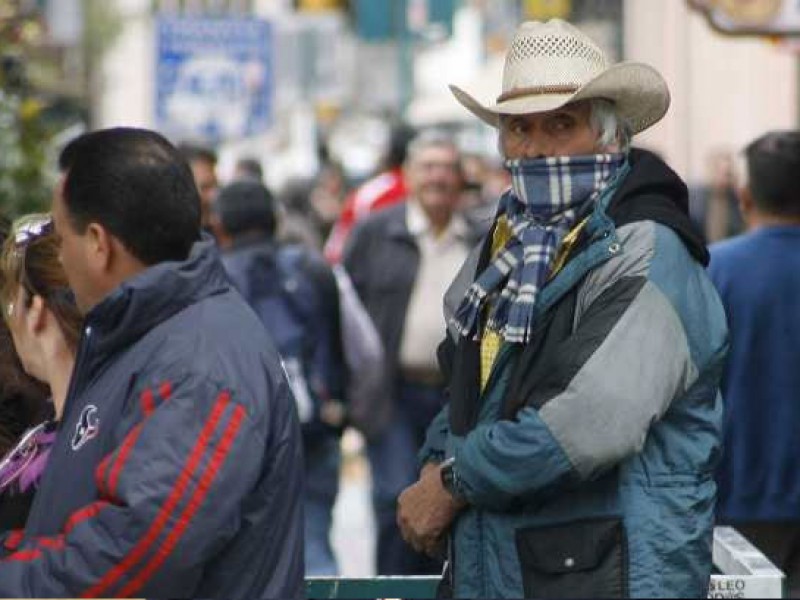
(541, 207)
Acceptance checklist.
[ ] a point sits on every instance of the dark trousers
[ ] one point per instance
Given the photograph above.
(322, 465)
(393, 461)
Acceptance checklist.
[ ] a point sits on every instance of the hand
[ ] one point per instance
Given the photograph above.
(425, 511)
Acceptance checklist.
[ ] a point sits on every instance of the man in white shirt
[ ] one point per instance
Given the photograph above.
(401, 261)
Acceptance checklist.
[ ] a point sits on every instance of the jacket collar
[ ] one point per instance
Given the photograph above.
(397, 226)
(154, 295)
(418, 223)
(654, 192)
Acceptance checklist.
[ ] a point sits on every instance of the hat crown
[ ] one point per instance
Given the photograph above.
(551, 55)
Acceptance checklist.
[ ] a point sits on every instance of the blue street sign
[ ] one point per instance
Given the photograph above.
(214, 77)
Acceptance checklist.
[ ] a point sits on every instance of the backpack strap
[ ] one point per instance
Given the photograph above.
(312, 293)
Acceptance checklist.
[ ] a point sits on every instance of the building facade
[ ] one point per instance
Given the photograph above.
(725, 90)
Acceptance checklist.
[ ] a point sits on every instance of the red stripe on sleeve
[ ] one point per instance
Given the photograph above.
(188, 513)
(14, 539)
(148, 406)
(87, 512)
(24, 555)
(142, 547)
(165, 390)
(100, 475)
(56, 542)
(122, 457)
(52, 543)
(148, 403)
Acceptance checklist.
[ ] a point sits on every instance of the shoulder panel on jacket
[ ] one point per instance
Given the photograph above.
(641, 366)
(656, 252)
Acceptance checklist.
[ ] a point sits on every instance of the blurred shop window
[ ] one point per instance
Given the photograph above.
(320, 5)
(542, 10)
(382, 21)
(203, 7)
(602, 20)
(315, 60)
(441, 12)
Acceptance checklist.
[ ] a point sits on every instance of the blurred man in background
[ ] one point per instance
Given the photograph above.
(714, 204)
(294, 293)
(758, 277)
(383, 190)
(486, 178)
(203, 162)
(248, 167)
(401, 261)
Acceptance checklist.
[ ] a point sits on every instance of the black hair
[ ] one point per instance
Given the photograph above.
(245, 206)
(137, 185)
(193, 152)
(295, 196)
(773, 162)
(400, 136)
(250, 167)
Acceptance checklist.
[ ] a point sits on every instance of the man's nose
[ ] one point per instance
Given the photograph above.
(536, 146)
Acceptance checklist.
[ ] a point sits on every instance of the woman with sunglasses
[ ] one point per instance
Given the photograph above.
(23, 399)
(45, 324)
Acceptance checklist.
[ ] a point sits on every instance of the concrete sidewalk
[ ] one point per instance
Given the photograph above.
(353, 536)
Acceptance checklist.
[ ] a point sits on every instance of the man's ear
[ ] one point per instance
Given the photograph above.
(100, 247)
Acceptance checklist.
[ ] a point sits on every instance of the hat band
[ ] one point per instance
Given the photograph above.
(538, 90)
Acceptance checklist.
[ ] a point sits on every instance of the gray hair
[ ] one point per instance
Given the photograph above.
(430, 138)
(612, 128)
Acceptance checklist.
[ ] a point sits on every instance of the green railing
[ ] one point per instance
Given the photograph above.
(372, 587)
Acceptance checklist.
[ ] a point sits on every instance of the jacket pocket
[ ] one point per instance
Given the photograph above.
(579, 559)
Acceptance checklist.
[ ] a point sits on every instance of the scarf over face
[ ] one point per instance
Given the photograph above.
(541, 207)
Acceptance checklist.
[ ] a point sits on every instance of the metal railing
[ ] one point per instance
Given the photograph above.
(743, 572)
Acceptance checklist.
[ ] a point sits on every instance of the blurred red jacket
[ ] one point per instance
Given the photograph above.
(383, 190)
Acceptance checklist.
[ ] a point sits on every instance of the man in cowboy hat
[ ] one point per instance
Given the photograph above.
(583, 355)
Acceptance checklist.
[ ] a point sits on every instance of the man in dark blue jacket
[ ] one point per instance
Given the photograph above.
(177, 471)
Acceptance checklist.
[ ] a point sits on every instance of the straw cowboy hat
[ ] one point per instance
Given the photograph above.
(552, 64)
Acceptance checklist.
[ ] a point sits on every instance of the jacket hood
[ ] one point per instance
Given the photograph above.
(154, 295)
(246, 249)
(654, 192)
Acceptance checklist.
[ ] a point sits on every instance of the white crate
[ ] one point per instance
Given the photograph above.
(744, 571)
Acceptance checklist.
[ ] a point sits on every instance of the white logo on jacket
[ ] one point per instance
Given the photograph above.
(87, 428)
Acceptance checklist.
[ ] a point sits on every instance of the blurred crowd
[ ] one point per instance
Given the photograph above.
(532, 346)
(394, 268)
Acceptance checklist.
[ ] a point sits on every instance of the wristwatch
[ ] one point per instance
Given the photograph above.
(450, 478)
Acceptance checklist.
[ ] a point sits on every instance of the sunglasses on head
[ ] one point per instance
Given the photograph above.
(30, 228)
(24, 232)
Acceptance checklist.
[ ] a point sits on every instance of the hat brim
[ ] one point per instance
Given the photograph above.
(638, 91)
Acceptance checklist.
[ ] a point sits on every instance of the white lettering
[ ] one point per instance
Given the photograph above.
(727, 588)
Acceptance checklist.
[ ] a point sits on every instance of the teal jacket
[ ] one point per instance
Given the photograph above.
(587, 461)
